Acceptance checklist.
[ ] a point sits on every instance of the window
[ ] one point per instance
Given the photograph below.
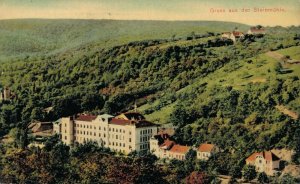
(65, 137)
(99, 128)
(116, 136)
(104, 135)
(94, 134)
(104, 128)
(129, 139)
(129, 132)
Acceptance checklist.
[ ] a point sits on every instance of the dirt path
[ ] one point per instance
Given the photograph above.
(286, 111)
(275, 55)
(259, 80)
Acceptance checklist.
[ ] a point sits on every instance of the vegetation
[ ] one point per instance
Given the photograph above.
(210, 88)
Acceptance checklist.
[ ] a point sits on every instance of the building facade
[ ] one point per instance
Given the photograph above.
(265, 161)
(124, 133)
(205, 151)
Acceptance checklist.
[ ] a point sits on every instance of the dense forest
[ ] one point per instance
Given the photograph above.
(210, 88)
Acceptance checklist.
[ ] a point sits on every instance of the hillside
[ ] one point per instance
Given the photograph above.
(241, 96)
(31, 37)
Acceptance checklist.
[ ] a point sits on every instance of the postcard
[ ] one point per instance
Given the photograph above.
(138, 91)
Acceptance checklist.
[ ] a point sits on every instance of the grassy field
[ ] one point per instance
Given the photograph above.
(293, 52)
(261, 71)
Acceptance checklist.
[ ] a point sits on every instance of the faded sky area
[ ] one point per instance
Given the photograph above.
(279, 12)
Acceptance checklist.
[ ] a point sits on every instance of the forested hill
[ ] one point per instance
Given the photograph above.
(31, 37)
(211, 88)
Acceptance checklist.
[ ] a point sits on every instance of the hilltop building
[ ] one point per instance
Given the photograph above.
(265, 161)
(256, 31)
(205, 151)
(125, 133)
(234, 35)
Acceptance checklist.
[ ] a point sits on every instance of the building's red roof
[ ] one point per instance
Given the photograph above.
(267, 155)
(180, 149)
(167, 144)
(124, 122)
(206, 147)
(86, 118)
(237, 33)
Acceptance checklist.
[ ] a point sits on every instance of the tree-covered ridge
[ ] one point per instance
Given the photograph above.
(35, 37)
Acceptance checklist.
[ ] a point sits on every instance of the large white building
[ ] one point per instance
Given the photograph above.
(124, 133)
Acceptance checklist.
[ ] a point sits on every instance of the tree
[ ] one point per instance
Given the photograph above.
(263, 178)
(249, 172)
(191, 155)
(287, 179)
(235, 171)
(197, 177)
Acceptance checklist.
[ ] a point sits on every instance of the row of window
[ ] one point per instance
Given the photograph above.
(88, 133)
(110, 129)
(88, 126)
(204, 154)
(144, 146)
(178, 157)
(144, 139)
(117, 144)
(149, 131)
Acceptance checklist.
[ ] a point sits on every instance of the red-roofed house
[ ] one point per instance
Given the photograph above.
(178, 152)
(205, 151)
(124, 133)
(265, 161)
(256, 31)
(168, 149)
(234, 35)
